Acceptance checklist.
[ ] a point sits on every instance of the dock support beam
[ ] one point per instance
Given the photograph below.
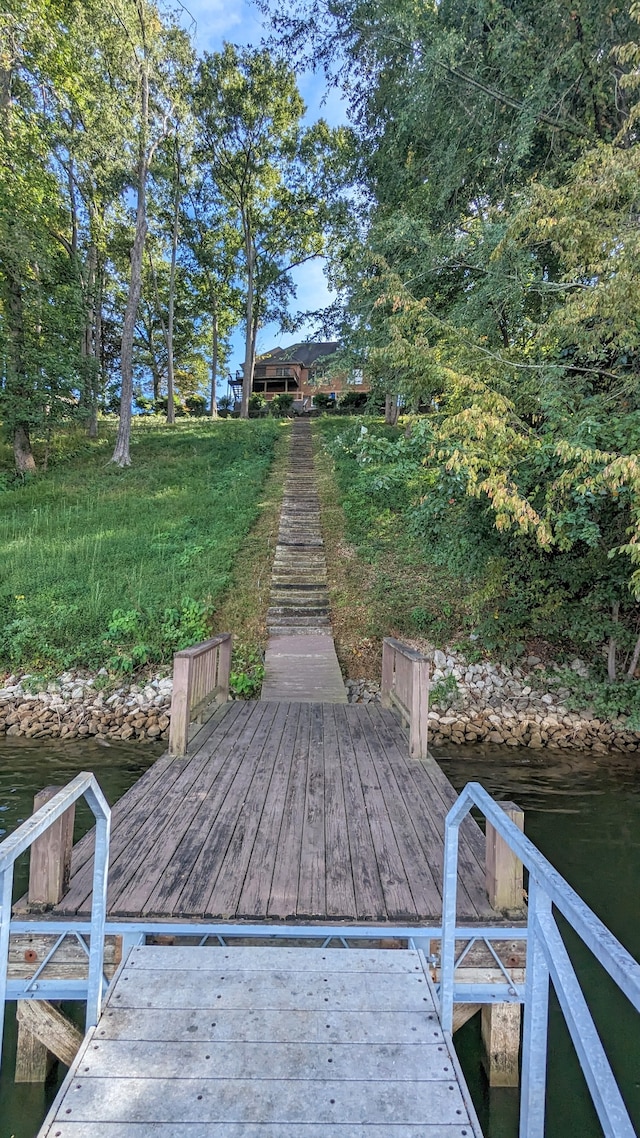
(44, 1033)
(33, 1059)
(501, 1043)
(501, 1022)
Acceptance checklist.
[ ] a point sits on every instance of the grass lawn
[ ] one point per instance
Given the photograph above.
(103, 566)
(381, 580)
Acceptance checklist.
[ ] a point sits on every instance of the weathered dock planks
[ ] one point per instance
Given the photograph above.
(268, 1042)
(286, 811)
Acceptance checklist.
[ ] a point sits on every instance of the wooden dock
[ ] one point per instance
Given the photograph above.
(266, 1043)
(286, 812)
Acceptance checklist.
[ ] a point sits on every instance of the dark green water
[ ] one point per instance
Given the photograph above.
(583, 814)
(26, 767)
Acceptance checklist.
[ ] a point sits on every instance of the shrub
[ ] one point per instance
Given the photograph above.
(257, 405)
(352, 402)
(323, 402)
(196, 405)
(280, 406)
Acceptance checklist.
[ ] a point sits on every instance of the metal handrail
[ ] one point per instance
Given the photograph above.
(83, 785)
(547, 960)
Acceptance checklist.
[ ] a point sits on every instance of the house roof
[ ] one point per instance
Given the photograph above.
(306, 354)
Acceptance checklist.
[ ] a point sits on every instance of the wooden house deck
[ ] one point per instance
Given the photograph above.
(286, 811)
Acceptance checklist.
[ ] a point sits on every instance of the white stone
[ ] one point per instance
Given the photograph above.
(439, 659)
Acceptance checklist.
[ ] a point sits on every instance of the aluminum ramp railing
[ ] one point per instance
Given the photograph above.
(83, 785)
(547, 961)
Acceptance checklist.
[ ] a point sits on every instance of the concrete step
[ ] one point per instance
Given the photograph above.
(298, 630)
(294, 613)
(318, 621)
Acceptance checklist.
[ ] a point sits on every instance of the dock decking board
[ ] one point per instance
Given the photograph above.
(280, 811)
(266, 1043)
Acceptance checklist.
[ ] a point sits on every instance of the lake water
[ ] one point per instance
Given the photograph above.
(583, 813)
(26, 767)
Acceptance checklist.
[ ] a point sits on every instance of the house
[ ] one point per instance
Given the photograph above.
(301, 370)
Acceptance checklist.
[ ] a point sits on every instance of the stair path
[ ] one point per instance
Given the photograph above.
(301, 663)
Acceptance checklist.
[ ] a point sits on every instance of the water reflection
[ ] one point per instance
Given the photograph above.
(27, 766)
(583, 812)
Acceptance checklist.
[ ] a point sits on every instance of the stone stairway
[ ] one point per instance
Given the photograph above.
(299, 599)
(301, 662)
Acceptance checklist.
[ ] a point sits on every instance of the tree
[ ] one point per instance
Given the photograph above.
(157, 51)
(492, 268)
(40, 302)
(249, 114)
(212, 247)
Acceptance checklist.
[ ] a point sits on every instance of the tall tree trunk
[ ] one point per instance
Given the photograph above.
(155, 370)
(247, 377)
(89, 362)
(171, 410)
(391, 409)
(611, 652)
(16, 380)
(97, 377)
(214, 356)
(22, 453)
(121, 454)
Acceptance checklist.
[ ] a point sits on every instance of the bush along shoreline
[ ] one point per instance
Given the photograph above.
(528, 705)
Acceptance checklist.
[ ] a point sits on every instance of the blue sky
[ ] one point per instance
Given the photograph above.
(240, 22)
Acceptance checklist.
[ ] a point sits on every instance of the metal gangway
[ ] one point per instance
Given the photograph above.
(205, 1037)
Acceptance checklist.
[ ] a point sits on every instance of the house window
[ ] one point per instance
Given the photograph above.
(282, 371)
(260, 371)
(357, 377)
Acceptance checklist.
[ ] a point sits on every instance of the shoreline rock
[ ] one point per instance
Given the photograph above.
(512, 707)
(78, 705)
(490, 703)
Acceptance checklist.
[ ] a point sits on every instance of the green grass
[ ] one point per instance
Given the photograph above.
(103, 566)
(405, 593)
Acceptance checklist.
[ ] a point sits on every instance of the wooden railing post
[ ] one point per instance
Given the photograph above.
(503, 868)
(419, 720)
(180, 706)
(388, 655)
(201, 674)
(505, 889)
(224, 668)
(50, 863)
(405, 685)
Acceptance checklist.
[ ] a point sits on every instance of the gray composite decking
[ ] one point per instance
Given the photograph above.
(266, 1043)
(286, 811)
